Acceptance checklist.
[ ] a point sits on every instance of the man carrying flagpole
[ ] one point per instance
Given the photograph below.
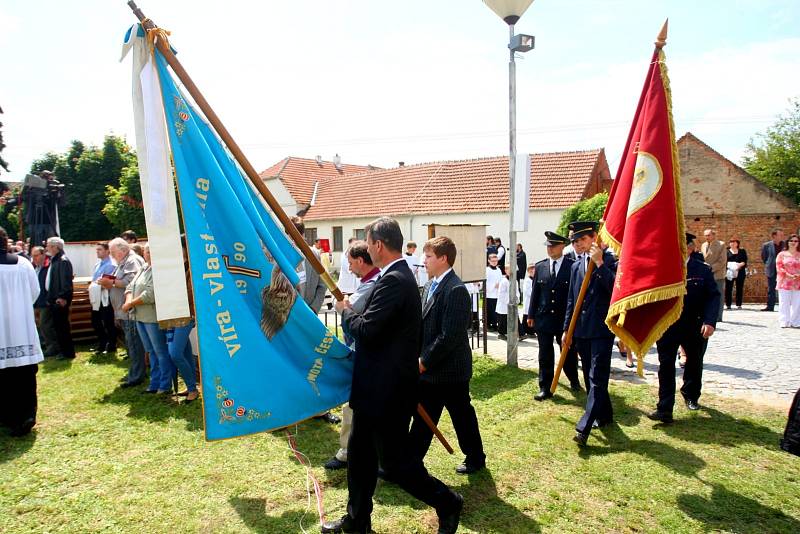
(592, 338)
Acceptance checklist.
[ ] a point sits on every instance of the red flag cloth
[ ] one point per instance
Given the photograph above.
(644, 221)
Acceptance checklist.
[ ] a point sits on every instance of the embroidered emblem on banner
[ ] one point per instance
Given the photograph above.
(647, 180)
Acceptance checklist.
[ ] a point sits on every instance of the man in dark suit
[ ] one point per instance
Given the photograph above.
(445, 364)
(691, 331)
(591, 337)
(58, 283)
(769, 253)
(547, 311)
(383, 394)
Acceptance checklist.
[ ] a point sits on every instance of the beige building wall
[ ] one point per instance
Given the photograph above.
(414, 228)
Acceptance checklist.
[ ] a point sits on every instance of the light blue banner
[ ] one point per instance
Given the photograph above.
(266, 359)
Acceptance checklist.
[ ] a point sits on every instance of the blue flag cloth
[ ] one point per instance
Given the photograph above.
(266, 359)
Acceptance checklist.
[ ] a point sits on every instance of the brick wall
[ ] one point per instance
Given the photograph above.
(752, 231)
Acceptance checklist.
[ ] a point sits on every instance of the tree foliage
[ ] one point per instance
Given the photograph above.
(775, 157)
(124, 206)
(87, 174)
(590, 209)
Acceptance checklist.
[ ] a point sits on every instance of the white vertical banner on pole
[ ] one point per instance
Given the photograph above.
(522, 192)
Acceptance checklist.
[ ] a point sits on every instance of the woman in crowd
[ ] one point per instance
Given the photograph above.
(180, 350)
(788, 266)
(140, 304)
(20, 352)
(737, 263)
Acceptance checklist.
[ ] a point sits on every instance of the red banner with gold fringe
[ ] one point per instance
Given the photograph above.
(643, 221)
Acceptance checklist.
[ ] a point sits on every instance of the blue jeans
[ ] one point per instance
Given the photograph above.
(133, 344)
(161, 369)
(180, 351)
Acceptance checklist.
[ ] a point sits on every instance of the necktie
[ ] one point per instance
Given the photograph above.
(553, 269)
(432, 288)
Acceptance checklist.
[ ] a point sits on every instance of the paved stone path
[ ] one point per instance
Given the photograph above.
(749, 356)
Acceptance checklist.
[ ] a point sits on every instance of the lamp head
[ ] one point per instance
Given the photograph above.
(509, 10)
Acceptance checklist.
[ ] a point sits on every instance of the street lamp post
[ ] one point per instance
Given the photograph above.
(511, 11)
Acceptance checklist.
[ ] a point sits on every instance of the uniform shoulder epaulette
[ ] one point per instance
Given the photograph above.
(542, 261)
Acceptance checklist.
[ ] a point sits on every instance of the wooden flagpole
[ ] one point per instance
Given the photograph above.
(251, 173)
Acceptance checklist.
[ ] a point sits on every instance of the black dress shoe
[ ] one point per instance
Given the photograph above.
(130, 384)
(345, 524)
(328, 417)
(663, 417)
(692, 405)
(448, 520)
(65, 357)
(580, 438)
(334, 463)
(23, 429)
(467, 468)
(768, 309)
(383, 475)
(542, 395)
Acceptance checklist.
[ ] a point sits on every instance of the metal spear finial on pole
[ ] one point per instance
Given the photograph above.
(661, 40)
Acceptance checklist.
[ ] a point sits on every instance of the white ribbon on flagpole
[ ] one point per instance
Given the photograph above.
(155, 175)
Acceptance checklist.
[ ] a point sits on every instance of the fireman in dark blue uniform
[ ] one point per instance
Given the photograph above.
(691, 331)
(592, 338)
(546, 314)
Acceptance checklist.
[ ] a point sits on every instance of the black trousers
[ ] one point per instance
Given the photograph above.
(47, 331)
(791, 436)
(63, 329)
(455, 397)
(739, 282)
(384, 439)
(104, 328)
(595, 356)
(502, 323)
(695, 347)
(491, 313)
(547, 361)
(18, 400)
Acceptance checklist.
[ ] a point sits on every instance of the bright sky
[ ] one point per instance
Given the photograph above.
(413, 80)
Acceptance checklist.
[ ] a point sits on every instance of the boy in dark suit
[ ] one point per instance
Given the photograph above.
(445, 364)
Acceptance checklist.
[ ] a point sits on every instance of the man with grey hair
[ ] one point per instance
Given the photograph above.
(58, 284)
(128, 264)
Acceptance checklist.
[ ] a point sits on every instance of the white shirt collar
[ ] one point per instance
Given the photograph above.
(441, 276)
(386, 268)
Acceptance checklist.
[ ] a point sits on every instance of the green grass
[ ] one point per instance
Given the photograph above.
(104, 459)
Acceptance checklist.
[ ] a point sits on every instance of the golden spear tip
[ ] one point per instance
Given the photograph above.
(661, 40)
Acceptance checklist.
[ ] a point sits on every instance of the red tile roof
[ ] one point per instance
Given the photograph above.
(300, 174)
(558, 180)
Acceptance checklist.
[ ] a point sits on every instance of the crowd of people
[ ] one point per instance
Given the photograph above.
(122, 301)
(550, 288)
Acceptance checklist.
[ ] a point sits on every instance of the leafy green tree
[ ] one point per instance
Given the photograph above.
(86, 173)
(775, 158)
(590, 209)
(124, 203)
